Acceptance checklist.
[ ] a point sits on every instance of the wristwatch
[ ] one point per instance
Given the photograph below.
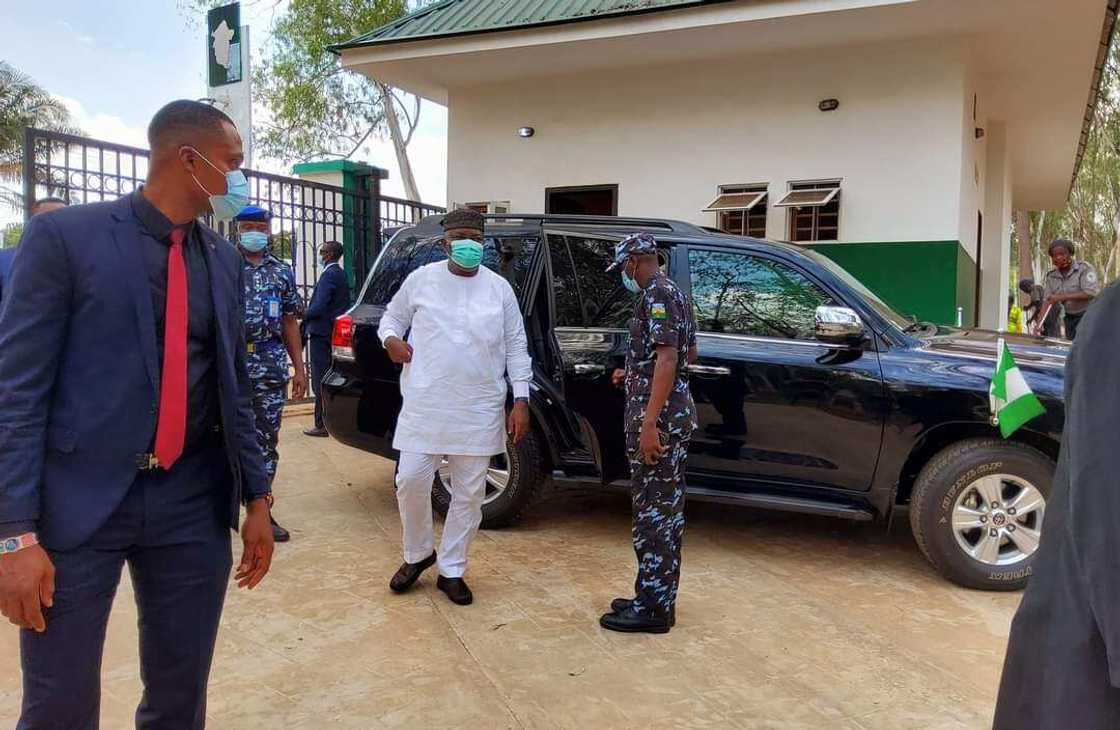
(15, 544)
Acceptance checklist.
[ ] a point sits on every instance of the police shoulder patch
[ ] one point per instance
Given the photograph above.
(657, 311)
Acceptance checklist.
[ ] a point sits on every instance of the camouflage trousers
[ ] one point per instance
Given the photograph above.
(268, 406)
(657, 493)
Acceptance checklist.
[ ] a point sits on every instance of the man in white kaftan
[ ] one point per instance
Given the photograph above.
(465, 336)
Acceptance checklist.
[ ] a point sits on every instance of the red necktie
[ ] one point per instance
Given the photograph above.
(172, 429)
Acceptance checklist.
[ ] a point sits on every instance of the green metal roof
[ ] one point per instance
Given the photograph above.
(463, 17)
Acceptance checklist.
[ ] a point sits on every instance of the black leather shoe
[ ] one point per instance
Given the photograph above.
(319, 433)
(456, 589)
(409, 573)
(279, 534)
(631, 623)
(620, 605)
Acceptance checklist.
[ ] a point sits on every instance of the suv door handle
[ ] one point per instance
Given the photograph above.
(708, 370)
(587, 368)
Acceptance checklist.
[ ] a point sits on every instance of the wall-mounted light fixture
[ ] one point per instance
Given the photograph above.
(979, 133)
(829, 105)
(526, 132)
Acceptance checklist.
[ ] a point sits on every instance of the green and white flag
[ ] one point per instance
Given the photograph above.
(1012, 401)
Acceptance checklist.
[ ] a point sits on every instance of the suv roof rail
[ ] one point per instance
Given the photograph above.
(602, 220)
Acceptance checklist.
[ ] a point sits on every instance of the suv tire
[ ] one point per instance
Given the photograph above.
(526, 476)
(951, 486)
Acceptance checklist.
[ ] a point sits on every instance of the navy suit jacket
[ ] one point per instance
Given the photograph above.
(7, 255)
(79, 372)
(331, 299)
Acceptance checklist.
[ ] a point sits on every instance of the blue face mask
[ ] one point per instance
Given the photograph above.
(254, 241)
(630, 283)
(236, 197)
(466, 253)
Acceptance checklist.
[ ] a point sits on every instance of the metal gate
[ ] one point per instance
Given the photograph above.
(305, 214)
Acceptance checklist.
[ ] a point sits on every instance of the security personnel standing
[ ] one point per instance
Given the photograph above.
(659, 421)
(1072, 284)
(272, 311)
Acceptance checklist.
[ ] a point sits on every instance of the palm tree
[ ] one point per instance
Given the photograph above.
(23, 103)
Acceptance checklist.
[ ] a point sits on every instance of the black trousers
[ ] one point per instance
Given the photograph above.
(172, 530)
(320, 363)
(1072, 321)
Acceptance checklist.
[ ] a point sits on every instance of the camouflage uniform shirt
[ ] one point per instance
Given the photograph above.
(270, 293)
(662, 316)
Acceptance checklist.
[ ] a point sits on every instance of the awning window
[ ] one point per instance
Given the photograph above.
(808, 198)
(735, 201)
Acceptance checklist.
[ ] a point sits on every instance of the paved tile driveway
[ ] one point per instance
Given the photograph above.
(784, 622)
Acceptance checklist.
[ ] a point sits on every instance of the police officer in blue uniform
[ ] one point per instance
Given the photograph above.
(272, 311)
(659, 421)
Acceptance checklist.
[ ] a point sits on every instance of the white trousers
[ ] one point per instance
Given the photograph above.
(415, 473)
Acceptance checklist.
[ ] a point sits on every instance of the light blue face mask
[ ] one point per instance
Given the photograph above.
(630, 283)
(254, 241)
(236, 197)
(466, 253)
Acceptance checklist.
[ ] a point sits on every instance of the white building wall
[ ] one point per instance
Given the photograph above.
(996, 258)
(669, 136)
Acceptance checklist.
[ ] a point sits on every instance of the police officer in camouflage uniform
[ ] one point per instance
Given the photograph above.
(659, 421)
(272, 310)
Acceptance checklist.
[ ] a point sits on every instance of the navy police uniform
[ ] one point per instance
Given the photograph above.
(661, 317)
(270, 295)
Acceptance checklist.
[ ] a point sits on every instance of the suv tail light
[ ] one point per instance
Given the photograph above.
(342, 339)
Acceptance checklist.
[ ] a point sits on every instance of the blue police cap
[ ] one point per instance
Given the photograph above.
(635, 244)
(253, 214)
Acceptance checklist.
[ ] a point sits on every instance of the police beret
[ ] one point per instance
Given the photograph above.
(636, 244)
(253, 214)
(463, 218)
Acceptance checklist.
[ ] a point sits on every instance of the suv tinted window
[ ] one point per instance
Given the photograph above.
(736, 293)
(509, 256)
(606, 303)
(565, 285)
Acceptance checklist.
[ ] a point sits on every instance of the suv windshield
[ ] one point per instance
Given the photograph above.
(508, 255)
(882, 308)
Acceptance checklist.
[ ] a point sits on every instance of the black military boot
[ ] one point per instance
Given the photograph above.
(631, 623)
(619, 605)
(279, 534)
(456, 589)
(409, 573)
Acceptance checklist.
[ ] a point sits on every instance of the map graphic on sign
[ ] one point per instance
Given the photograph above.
(223, 27)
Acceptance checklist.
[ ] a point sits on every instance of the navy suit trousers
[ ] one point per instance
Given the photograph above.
(172, 529)
(320, 364)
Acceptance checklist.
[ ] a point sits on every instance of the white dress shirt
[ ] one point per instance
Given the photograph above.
(467, 334)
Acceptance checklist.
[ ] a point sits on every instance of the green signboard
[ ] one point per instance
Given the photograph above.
(223, 44)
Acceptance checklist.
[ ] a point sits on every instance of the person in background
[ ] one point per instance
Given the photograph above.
(330, 299)
(272, 310)
(1014, 315)
(1036, 308)
(659, 420)
(1071, 284)
(8, 255)
(127, 435)
(1062, 668)
(465, 336)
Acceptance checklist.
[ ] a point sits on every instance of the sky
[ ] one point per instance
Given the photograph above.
(115, 62)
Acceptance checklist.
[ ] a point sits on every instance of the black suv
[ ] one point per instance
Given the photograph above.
(812, 394)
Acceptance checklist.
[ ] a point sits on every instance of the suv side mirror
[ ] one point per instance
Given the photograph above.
(838, 326)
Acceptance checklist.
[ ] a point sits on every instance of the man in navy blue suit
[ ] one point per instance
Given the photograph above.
(331, 299)
(8, 255)
(127, 434)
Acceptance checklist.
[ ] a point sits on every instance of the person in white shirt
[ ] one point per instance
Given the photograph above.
(465, 336)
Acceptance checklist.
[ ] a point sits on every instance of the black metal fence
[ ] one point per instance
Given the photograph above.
(305, 214)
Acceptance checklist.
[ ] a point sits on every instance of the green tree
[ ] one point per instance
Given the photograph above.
(23, 103)
(315, 108)
(11, 235)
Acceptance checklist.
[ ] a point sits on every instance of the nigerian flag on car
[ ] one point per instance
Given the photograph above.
(1012, 400)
